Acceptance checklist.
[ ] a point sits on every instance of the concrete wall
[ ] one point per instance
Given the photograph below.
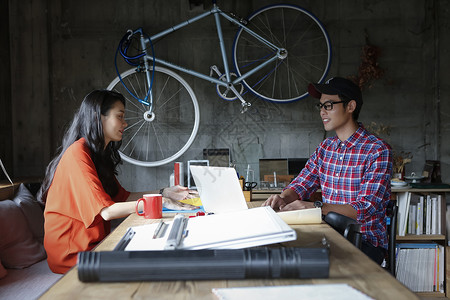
(5, 92)
(61, 50)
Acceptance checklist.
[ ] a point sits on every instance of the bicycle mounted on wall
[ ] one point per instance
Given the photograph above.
(276, 52)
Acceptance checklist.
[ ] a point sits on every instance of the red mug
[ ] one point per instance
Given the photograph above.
(152, 208)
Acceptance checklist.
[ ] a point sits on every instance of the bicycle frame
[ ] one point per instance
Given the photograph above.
(163, 109)
(279, 53)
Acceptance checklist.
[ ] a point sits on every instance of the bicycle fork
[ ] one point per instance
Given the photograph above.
(149, 98)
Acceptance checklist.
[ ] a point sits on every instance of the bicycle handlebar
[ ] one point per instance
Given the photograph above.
(126, 40)
(123, 47)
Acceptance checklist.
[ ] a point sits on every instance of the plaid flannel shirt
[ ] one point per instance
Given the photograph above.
(355, 172)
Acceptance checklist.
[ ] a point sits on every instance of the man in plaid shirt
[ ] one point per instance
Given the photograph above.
(352, 169)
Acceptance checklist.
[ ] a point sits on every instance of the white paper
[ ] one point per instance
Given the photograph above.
(291, 292)
(302, 216)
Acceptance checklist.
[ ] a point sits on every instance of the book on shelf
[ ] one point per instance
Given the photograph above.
(436, 202)
(439, 214)
(428, 215)
(403, 200)
(412, 219)
(419, 214)
(421, 266)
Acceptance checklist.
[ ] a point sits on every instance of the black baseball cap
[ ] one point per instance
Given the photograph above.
(336, 86)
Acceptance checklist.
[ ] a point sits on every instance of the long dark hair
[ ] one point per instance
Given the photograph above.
(87, 124)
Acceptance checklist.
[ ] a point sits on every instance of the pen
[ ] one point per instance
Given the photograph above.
(248, 171)
(158, 229)
(200, 213)
(275, 179)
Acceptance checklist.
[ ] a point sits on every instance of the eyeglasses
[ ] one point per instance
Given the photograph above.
(327, 105)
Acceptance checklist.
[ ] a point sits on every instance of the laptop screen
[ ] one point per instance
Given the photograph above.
(219, 189)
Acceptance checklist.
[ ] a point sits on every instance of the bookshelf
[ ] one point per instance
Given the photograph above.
(440, 239)
(423, 239)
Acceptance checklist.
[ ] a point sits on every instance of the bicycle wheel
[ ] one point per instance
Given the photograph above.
(307, 45)
(155, 138)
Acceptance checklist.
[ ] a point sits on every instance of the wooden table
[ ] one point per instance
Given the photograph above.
(347, 265)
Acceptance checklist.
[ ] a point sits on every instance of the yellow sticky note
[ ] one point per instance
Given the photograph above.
(192, 201)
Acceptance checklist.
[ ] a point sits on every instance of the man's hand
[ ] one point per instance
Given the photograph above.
(296, 205)
(274, 201)
(179, 192)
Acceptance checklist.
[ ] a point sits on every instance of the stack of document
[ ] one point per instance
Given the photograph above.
(233, 230)
(302, 216)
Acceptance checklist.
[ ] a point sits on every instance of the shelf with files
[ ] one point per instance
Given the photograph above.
(415, 199)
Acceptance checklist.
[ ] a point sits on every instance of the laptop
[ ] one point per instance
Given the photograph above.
(219, 189)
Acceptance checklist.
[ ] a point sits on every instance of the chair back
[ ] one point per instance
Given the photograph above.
(391, 213)
(346, 226)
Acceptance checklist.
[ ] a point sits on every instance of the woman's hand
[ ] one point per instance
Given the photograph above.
(177, 205)
(179, 192)
(172, 196)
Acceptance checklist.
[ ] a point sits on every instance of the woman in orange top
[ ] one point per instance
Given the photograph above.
(80, 189)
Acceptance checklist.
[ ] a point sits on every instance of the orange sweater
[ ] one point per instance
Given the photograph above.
(72, 211)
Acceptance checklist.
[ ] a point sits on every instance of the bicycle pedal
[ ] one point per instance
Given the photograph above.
(245, 107)
(215, 69)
